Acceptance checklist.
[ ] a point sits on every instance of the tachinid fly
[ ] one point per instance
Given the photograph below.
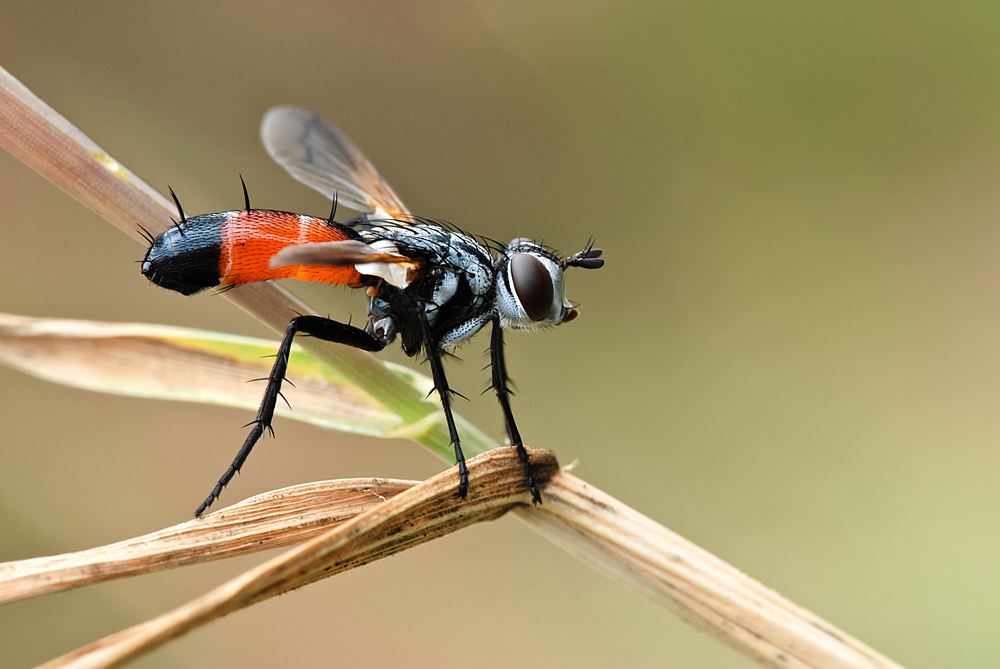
(429, 284)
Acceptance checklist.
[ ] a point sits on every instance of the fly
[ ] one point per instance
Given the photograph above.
(429, 284)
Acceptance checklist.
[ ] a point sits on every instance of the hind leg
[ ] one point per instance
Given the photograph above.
(316, 326)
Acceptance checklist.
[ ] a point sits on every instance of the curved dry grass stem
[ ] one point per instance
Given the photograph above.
(589, 524)
(272, 520)
(705, 591)
(422, 513)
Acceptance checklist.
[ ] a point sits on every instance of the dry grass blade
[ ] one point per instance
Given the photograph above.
(699, 587)
(183, 364)
(422, 513)
(275, 519)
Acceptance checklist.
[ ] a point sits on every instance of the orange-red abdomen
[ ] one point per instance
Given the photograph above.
(250, 239)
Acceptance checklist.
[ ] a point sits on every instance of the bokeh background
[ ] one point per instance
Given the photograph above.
(792, 356)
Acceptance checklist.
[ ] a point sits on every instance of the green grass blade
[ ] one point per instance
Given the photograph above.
(197, 366)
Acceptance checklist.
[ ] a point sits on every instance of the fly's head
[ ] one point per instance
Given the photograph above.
(531, 286)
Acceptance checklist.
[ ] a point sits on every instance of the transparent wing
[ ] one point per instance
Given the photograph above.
(320, 155)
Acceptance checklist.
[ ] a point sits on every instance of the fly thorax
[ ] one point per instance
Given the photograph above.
(444, 289)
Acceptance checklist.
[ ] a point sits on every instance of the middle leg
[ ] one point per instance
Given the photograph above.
(433, 349)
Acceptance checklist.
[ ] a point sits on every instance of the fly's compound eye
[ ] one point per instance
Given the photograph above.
(532, 284)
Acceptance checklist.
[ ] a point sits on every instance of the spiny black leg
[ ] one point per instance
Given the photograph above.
(321, 328)
(500, 381)
(441, 385)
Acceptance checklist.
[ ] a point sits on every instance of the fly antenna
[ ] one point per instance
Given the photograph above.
(588, 258)
(246, 195)
(333, 211)
(180, 210)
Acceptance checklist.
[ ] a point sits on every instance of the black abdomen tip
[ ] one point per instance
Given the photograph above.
(185, 258)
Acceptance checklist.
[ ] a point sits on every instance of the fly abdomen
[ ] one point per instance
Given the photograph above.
(185, 258)
(235, 247)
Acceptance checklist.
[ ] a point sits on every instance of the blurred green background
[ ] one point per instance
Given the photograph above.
(791, 357)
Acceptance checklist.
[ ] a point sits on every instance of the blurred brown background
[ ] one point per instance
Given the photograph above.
(792, 356)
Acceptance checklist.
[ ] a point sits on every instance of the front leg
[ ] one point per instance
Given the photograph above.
(500, 385)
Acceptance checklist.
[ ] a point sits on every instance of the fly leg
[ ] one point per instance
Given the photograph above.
(433, 349)
(321, 328)
(500, 386)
